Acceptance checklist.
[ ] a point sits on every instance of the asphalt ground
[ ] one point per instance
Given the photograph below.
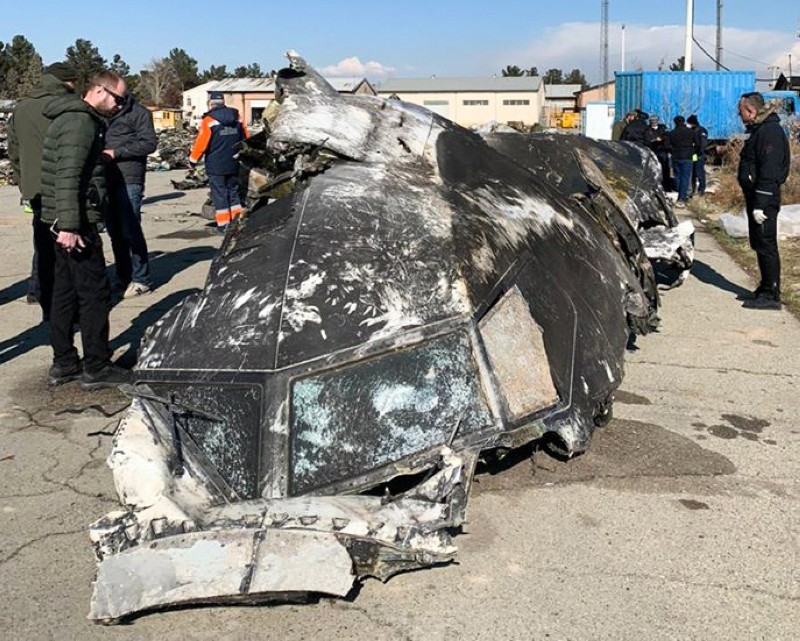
(680, 522)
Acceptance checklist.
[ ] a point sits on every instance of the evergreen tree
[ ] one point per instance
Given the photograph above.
(87, 60)
(23, 67)
(215, 73)
(123, 70)
(512, 70)
(679, 64)
(575, 77)
(3, 65)
(250, 71)
(554, 77)
(185, 69)
(119, 66)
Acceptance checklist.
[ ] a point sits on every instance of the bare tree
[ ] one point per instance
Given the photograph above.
(157, 79)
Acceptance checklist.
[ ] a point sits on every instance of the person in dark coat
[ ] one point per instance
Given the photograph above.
(26, 133)
(73, 203)
(130, 138)
(763, 167)
(657, 138)
(699, 164)
(682, 148)
(218, 140)
(636, 129)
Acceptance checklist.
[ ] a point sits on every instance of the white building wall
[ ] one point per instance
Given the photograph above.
(195, 102)
(472, 109)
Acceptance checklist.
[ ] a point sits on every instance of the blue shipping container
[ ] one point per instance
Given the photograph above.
(712, 95)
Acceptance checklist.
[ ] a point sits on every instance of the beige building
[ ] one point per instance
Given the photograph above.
(598, 93)
(560, 100)
(472, 102)
(250, 96)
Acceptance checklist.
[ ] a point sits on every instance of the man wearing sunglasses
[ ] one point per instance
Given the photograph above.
(73, 203)
(130, 137)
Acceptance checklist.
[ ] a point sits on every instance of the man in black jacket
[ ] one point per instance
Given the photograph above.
(130, 137)
(698, 165)
(657, 138)
(25, 136)
(636, 129)
(763, 168)
(682, 148)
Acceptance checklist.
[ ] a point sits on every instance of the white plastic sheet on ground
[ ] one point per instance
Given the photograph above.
(788, 222)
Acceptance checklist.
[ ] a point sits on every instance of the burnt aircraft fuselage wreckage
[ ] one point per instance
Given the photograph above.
(404, 296)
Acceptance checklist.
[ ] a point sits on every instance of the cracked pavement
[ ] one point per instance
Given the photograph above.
(681, 521)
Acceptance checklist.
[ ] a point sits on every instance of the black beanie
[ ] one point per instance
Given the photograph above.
(692, 120)
(64, 71)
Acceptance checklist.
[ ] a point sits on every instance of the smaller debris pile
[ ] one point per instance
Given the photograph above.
(173, 150)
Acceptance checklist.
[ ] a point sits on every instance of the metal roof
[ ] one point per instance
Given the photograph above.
(561, 91)
(431, 85)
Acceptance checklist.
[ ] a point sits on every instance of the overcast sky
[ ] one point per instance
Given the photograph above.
(385, 38)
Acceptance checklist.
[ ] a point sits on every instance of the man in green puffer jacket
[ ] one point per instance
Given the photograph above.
(73, 203)
(26, 132)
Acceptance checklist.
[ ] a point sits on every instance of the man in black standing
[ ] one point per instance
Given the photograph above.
(73, 203)
(763, 168)
(657, 138)
(682, 148)
(25, 137)
(699, 163)
(636, 129)
(130, 137)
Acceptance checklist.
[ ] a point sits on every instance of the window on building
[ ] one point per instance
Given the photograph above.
(508, 103)
(476, 103)
(256, 114)
(436, 103)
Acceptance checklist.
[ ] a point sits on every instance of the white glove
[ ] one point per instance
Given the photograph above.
(759, 216)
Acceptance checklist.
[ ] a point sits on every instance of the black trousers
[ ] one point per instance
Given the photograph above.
(764, 242)
(40, 283)
(81, 290)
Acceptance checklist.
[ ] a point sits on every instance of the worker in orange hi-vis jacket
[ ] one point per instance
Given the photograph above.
(221, 131)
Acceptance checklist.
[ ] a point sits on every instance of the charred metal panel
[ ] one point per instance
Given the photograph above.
(411, 297)
(362, 417)
(631, 170)
(372, 258)
(232, 323)
(516, 351)
(230, 443)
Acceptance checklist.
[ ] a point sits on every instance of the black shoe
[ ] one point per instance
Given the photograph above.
(763, 302)
(108, 376)
(58, 375)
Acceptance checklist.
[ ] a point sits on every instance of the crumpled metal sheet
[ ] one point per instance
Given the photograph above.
(631, 177)
(359, 325)
(180, 542)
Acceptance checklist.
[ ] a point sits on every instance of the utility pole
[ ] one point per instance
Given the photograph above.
(604, 46)
(687, 50)
(622, 61)
(718, 52)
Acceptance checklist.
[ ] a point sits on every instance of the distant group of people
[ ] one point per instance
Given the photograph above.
(681, 151)
(764, 164)
(80, 164)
